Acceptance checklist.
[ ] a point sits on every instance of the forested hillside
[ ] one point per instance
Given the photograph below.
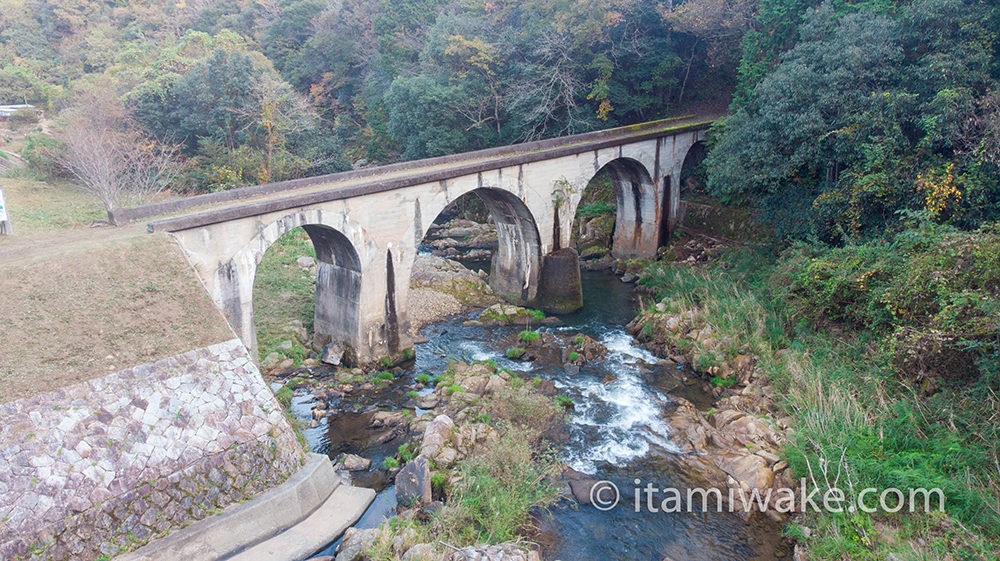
(257, 91)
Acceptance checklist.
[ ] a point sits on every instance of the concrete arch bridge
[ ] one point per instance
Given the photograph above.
(366, 225)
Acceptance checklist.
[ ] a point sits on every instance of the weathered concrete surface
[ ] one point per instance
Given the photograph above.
(340, 511)
(282, 521)
(367, 227)
(96, 468)
(561, 290)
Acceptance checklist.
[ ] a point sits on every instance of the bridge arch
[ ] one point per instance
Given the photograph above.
(638, 205)
(340, 248)
(517, 262)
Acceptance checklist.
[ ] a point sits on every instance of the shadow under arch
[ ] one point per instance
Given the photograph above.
(337, 295)
(517, 262)
(636, 216)
(338, 288)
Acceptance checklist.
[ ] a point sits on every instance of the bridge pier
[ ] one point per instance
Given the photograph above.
(560, 289)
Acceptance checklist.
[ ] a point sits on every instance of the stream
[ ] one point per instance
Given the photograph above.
(617, 433)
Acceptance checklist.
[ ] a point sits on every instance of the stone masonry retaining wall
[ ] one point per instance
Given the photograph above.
(100, 467)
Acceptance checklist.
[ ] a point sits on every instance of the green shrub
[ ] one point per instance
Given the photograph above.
(384, 376)
(573, 356)
(390, 463)
(412, 394)
(438, 481)
(843, 392)
(424, 378)
(407, 451)
(564, 402)
(529, 336)
(42, 152)
(595, 209)
(514, 352)
(453, 388)
(537, 315)
(580, 340)
(723, 382)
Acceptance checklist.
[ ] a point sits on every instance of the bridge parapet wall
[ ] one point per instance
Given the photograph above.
(102, 466)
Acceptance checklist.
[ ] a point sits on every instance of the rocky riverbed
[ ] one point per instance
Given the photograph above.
(412, 424)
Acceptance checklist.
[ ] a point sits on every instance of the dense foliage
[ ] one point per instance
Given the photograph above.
(880, 421)
(268, 90)
(878, 107)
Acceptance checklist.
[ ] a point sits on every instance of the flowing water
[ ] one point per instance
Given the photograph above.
(617, 433)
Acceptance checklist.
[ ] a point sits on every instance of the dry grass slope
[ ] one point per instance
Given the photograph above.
(97, 308)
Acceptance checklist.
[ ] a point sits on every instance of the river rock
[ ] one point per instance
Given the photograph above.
(428, 401)
(353, 462)
(475, 385)
(387, 419)
(413, 483)
(580, 484)
(332, 354)
(271, 360)
(440, 288)
(502, 552)
(747, 469)
(446, 457)
(420, 552)
(355, 543)
(495, 384)
(437, 433)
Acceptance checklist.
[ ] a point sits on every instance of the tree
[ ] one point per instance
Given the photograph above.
(834, 139)
(110, 158)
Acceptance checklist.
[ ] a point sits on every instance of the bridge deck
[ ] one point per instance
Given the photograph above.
(199, 210)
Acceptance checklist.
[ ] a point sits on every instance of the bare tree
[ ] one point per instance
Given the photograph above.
(109, 156)
(979, 134)
(546, 94)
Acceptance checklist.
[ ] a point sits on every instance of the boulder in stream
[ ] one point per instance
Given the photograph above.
(413, 483)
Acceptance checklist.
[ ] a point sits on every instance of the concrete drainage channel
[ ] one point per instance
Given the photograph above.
(287, 523)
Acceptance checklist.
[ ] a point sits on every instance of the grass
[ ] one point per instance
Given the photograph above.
(412, 394)
(573, 356)
(565, 402)
(283, 292)
(497, 488)
(37, 206)
(846, 401)
(424, 378)
(390, 462)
